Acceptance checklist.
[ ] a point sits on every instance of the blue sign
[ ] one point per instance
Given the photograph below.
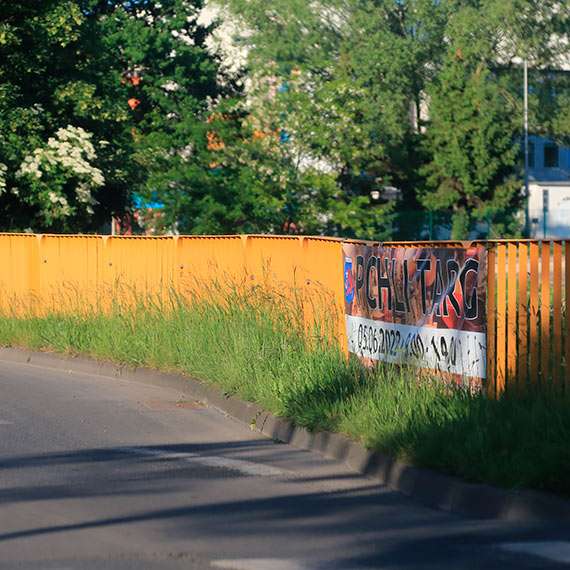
(348, 280)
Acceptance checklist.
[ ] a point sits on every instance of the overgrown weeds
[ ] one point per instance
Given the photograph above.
(277, 349)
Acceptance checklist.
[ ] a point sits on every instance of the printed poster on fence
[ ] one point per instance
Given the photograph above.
(422, 306)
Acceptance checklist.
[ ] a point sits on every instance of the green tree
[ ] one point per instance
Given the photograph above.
(367, 77)
(301, 87)
(173, 82)
(549, 101)
(132, 80)
(56, 75)
(101, 101)
(394, 50)
(476, 117)
(258, 185)
(471, 138)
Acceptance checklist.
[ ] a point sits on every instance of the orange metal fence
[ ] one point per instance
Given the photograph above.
(528, 329)
(44, 272)
(528, 291)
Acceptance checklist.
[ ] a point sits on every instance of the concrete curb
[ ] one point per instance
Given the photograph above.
(439, 491)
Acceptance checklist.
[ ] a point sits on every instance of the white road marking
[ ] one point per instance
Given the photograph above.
(259, 564)
(553, 550)
(245, 467)
(5, 422)
(274, 564)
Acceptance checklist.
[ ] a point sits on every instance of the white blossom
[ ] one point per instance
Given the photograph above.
(70, 153)
(3, 169)
(170, 86)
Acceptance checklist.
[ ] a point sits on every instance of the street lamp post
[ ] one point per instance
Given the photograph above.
(526, 127)
(526, 190)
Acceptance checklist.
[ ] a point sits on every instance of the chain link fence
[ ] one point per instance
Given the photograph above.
(440, 225)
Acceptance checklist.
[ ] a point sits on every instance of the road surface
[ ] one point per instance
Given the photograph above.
(106, 473)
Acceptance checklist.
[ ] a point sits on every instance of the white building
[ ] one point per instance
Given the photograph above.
(549, 189)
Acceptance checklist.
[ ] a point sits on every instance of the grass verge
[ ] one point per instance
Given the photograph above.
(251, 343)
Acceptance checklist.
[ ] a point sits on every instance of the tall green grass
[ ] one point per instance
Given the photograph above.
(256, 342)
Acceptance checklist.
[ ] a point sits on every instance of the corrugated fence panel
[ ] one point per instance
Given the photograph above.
(527, 334)
(323, 259)
(276, 259)
(19, 272)
(70, 268)
(215, 260)
(303, 268)
(138, 265)
(533, 312)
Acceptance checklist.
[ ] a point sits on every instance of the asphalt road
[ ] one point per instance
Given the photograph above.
(106, 473)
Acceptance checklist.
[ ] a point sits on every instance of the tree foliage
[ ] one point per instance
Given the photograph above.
(384, 93)
(172, 82)
(59, 86)
(132, 77)
(471, 141)
(102, 102)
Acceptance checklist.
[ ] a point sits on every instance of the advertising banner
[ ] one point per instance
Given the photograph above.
(422, 306)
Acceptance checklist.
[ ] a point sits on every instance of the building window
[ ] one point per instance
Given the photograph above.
(550, 155)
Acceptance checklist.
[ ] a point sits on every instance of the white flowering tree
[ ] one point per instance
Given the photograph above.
(60, 94)
(3, 170)
(97, 100)
(59, 177)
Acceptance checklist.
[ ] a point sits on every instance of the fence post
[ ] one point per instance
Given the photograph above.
(33, 292)
(491, 322)
(533, 309)
(512, 344)
(557, 314)
(522, 346)
(567, 314)
(501, 334)
(545, 304)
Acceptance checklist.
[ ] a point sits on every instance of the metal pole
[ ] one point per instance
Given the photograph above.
(526, 190)
(526, 127)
